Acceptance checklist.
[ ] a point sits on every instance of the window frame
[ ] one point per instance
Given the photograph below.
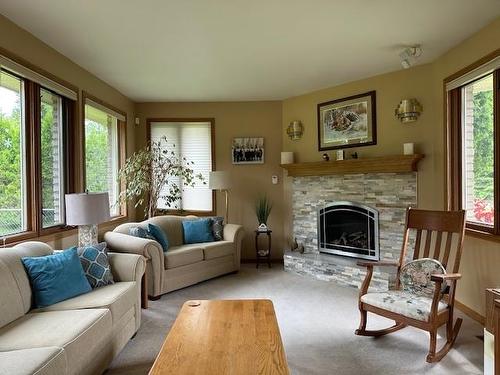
(453, 147)
(122, 149)
(211, 120)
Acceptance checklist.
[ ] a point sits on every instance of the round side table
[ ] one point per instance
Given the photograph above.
(263, 254)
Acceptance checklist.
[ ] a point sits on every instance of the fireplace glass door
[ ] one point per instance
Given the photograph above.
(349, 229)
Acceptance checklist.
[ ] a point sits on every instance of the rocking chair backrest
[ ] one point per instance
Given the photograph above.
(444, 224)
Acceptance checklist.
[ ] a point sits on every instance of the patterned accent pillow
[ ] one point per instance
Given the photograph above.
(95, 264)
(141, 233)
(218, 227)
(415, 276)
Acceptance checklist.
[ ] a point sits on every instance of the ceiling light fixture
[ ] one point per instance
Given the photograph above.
(410, 55)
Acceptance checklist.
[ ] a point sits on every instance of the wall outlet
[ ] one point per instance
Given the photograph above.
(275, 180)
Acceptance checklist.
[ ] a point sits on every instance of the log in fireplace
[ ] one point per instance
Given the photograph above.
(349, 229)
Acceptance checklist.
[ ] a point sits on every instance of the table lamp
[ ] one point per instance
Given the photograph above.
(87, 210)
(219, 180)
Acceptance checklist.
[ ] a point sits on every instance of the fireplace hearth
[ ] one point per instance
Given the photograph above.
(349, 229)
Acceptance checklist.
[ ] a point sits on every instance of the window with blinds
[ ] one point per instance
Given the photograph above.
(191, 140)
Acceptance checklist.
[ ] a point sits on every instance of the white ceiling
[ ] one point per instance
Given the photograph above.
(215, 50)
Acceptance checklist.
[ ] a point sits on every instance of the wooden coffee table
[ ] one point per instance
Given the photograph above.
(236, 337)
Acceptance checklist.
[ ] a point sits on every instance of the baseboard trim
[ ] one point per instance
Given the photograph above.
(470, 312)
(262, 261)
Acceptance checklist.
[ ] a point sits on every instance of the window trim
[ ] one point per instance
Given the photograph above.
(452, 146)
(211, 120)
(122, 148)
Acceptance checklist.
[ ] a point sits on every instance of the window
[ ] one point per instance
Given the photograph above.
(192, 140)
(36, 118)
(102, 151)
(474, 147)
(52, 159)
(13, 211)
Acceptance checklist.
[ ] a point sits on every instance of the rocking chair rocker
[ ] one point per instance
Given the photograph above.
(407, 306)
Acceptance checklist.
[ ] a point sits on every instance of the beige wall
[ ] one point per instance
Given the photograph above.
(481, 258)
(20, 43)
(237, 119)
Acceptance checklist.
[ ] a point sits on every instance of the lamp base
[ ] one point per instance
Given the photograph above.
(87, 235)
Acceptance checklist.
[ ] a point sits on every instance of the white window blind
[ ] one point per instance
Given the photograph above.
(193, 141)
(22, 71)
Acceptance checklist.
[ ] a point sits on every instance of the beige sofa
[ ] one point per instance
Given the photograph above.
(182, 265)
(80, 335)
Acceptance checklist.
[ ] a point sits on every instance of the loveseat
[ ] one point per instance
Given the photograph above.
(182, 264)
(80, 335)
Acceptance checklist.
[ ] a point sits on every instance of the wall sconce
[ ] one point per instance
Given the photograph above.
(408, 110)
(295, 130)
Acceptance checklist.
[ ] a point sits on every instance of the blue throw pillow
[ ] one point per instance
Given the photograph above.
(95, 264)
(56, 277)
(159, 236)
(196, 231)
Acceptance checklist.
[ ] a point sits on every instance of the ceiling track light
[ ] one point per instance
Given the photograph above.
(410, 55)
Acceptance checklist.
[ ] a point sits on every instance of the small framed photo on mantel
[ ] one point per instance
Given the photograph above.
(347, 122)
(248, 150)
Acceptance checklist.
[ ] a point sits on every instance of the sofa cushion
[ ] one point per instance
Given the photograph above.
(95, 264)
(37, 361)
(217, 249)
(404, 303)
(159, 235)
(56, 277)
(75, 331)
(178, 256)
(197, 231)
(118, 298)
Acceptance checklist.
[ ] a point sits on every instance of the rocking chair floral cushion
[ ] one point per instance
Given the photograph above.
(415, 276)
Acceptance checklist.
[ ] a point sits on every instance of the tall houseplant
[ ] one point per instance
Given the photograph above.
(263, 208)
(152, 173)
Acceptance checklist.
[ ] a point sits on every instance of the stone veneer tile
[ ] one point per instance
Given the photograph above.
(389, 193)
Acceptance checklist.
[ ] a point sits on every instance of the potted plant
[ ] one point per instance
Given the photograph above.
(148, 171)
(263, 208)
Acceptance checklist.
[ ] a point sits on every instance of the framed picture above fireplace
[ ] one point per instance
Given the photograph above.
(347, 122)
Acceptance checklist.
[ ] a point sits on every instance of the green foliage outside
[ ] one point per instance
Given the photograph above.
(96, 156)
(483, 146)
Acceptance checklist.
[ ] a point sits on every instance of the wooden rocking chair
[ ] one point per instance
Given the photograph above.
(434, 312)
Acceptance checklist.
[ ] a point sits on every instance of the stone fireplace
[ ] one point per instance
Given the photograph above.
(377, 196)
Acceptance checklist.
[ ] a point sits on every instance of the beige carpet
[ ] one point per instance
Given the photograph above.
(317, 321)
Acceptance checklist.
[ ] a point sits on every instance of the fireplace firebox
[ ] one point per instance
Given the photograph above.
(349, 229)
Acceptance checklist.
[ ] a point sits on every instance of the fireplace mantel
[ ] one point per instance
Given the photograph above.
(382, 164)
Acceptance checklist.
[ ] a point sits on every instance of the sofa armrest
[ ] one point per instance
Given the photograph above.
(124, 243)
(151, 250)
(234, 233)
(127, 267)
(231, 232)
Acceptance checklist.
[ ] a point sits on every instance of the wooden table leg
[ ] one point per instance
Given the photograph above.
(269, 250)
(144, 292)
(256, 250)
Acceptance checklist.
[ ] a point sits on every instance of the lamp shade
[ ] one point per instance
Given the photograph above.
(87, 208)
(219, 180)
